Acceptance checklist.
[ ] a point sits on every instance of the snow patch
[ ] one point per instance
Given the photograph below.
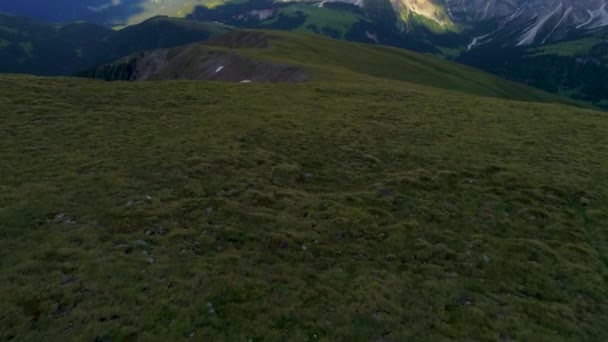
(600, 17)
(530, 35)
(101, 8)
(219, 69)
(246, 81)
(263, 14)
(476, 41)
(566, 14)
(372, 36)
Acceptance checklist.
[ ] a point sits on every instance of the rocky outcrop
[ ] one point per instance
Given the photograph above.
(202, 62)
(532, 21)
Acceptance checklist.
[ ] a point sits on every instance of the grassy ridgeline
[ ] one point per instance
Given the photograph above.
(329, 60)
(162, 210)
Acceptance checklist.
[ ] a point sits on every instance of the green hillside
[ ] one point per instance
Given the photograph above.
(330, 57)
(327, 21)
(332, 60)
(29, 46)
(366, 203)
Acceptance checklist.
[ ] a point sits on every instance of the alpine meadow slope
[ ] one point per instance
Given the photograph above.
(388, 196)
(324, 59)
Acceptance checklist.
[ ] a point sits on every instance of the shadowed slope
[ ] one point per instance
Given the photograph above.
(334, 211)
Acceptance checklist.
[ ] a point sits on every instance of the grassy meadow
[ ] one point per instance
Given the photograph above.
(328, 210)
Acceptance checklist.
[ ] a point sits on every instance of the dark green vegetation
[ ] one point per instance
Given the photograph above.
(353, 206)
(576, 67)
(374, 22)
(29, 46)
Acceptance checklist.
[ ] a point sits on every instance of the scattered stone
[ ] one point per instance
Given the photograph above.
(380, 316)
(124, 247)
(148, 197)
(307, 175)
(59, 310)
(145, 253)
(69, 279)
(485, 258)
(157, 229)
(209, 210)
(466, 300)
(197, 248)
(211, 309)
(384, 339)
(62, 218)
(141, 243)
(150, 260)
(191, 335)
(304, 247)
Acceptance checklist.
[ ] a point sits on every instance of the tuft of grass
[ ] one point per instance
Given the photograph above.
(328, 210)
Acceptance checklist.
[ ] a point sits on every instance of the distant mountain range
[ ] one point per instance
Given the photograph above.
(559, 46)
(524, 22)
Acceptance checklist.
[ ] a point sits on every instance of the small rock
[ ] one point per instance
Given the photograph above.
(130, 203)
(141, 243)
(145, 253)
(380, 316)
(69, 279)
(62, 218)
(307, 175)
(59, 217)
(209, 210)
(466, 300)
(157, 229)
(211, 309)
(191, 335)
(124, 247)
(59, 310)
(304, 247)
(150, 260)
(485, 258)
(148, 197)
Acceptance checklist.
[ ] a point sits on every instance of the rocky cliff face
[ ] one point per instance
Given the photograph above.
(532, 21)
(524, 22)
